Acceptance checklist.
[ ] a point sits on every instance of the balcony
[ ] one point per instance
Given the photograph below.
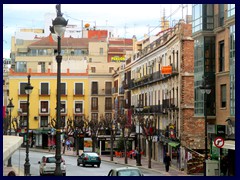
(63, 111)
(77, 111)
(79, 93)
(44, 111)
(114, 90)
(121, 90)
(42, 92)
(165, 105)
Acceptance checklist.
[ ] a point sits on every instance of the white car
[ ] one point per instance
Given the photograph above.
(47, 165)
(125, 171)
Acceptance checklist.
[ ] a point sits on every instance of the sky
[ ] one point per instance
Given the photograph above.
(126, 19)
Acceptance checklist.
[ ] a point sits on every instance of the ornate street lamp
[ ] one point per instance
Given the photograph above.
(138, 162)
(10, 107)
(59, 27)
(205, 89)
(28, 91)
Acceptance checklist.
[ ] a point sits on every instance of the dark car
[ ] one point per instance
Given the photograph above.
(90, 158)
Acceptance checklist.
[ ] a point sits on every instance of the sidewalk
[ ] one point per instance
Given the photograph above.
(155, 166)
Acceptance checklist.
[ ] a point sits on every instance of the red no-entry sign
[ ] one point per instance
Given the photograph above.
(219, 142)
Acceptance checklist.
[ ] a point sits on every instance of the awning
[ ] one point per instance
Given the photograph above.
(173, 144)
(229, 144)
(42, 130)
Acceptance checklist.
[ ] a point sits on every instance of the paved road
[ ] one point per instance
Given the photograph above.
(18, 160)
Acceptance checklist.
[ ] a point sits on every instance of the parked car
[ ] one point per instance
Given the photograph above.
(125, 171)
(47, 165)
(91, 158)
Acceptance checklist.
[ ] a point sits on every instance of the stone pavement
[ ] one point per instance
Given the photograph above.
(155, 166)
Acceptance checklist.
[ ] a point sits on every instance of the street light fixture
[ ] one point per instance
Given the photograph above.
(28, 91)
(59, 27)
(10, 107)
(205, 89)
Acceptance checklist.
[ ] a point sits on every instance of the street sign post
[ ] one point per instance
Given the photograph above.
(219, 142)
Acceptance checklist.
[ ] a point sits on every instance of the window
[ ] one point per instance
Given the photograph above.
(22, 88)
(94, 116)
(44, 121)
(23, 106)
(63, 121)
(231, 10)
(63, 88)
(221, 14)
(94, 104)
(44, 107)
(94, 87)
(111, 69)
(108, 115)
(221, 56)
(23, 121)
(223, 96)
(101, 51)
(78, 107)
(108, 104)
(108, 88)
(63, 107)
(44, 89)
(42, 66)
(78, 88)
(93, 69)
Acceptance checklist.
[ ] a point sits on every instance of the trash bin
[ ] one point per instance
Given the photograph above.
(138, 159)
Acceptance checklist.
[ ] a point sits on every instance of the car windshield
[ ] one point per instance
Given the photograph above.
(92, 154)
(129, 172)
(51, 160)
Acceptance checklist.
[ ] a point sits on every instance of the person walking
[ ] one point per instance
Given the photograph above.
(68, 143)
(167, 161)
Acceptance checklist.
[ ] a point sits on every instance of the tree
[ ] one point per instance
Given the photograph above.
(80, 127)
(94, 126)
(67, 131)
(108, 124)
(148, 129)
(127, 128)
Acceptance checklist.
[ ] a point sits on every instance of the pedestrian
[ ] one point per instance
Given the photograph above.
(167, 161)
(224, 165)
(11, 173)
(68, 143)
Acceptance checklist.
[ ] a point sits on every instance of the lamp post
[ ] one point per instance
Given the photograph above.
(138, 162)
(28, 90)
(59, 27)
(10, 107)
(205, 89)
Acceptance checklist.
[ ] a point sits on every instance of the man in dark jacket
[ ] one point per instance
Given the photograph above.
(167, 162)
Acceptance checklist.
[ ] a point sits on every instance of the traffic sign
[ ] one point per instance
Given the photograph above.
(219, 142)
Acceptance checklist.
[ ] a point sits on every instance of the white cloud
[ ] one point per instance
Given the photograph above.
(137, 18)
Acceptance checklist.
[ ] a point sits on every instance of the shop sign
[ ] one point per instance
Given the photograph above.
(117, 59)
(166, 70)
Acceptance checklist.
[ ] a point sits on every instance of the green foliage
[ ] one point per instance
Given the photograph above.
(120, 145)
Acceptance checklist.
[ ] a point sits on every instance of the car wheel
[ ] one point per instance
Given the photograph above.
(98, 165)
(92, 165)
(83, 164)
(78, 163)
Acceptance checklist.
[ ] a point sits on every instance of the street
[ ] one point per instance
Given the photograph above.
(18, 160)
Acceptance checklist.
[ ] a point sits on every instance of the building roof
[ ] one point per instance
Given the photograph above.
(65, 42)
